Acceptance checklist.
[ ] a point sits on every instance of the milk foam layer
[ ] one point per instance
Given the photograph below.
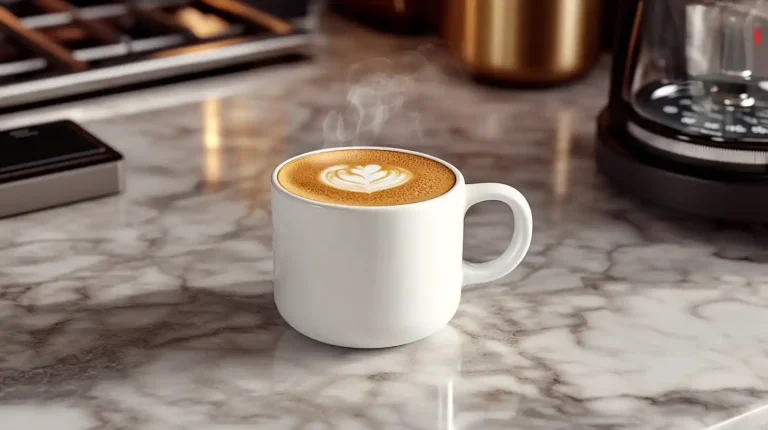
(366, 177)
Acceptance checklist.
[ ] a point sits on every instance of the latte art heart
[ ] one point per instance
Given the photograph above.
(370, 177)
(364, 179)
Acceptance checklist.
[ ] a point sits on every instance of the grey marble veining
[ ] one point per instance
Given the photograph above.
(152, 310)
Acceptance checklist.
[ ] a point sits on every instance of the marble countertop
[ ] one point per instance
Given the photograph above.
(152, 310)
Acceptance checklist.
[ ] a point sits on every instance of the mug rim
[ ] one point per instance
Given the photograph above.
(279, 188)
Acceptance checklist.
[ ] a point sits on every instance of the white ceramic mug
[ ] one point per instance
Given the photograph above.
(381, 276)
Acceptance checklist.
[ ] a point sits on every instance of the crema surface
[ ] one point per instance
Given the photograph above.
(366, 177)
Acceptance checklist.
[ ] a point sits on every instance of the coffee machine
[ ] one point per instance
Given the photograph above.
(686, 124)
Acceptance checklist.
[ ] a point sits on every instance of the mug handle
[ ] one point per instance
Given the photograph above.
(475, 273)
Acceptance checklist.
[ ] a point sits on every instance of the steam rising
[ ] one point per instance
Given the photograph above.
(378, 92)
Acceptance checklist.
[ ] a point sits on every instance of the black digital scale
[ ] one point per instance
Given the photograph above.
(55, 164)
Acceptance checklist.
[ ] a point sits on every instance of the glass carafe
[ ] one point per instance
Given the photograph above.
(702, 68)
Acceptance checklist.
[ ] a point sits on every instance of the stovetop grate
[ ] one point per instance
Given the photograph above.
(56, 48)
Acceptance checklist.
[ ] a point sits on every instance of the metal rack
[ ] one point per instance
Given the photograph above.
(56, 48)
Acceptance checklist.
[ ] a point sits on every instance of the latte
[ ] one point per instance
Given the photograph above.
(366, 177)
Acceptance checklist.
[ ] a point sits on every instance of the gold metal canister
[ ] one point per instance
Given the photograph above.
(539, 42)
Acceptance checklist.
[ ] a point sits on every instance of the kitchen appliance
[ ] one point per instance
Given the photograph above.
(686, 124)
(529, 42)
(50, 49)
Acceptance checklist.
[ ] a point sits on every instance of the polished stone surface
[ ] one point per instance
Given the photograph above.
(152, 310)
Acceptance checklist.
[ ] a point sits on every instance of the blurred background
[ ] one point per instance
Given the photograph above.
(55, 50)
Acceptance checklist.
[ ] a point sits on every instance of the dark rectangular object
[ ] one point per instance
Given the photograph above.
(54, 164)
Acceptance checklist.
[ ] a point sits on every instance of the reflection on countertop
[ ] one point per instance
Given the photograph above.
(153, 309)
